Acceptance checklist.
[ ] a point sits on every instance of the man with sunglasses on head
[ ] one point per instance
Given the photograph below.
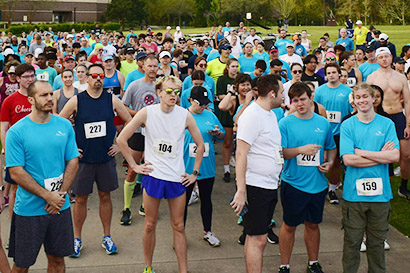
(334, 96)
(164, 170)
(309, 75)
(93, 114)
(140, 93)
(371, 65)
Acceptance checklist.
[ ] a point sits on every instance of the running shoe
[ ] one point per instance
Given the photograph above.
(386, 245)
(331, 195)
(148, 270)
(124, 163)
(404, 193)
(272, 223)
(314, 268)
(241, 239)
(211, 239)
(194, 198)
(78, 245)
(397, 171)
(283, 269)
(227, 177)
(141, 210)
(363, 246)
(272, 237)
(6, 201)
(232, 161)
(137, 190)
(108, 244)
(126, 217)
(240, 220)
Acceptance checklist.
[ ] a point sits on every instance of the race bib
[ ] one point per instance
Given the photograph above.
(95, 129)
(369, 186)
(165, 148)
(279, 155)
(42, 77)
(193, 147)
(308, 160)
(334, 116)
(351, 82)
(53, 184)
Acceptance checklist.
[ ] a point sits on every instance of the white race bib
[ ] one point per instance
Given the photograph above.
(279, 155)
(53, 184)
(334, 116)
(95, 129)
(308, 160)
(43, 77)
(165, 148)
(369, 186)
(193, 147)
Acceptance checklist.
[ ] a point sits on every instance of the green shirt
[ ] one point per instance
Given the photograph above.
(47, 75)
(127, 67)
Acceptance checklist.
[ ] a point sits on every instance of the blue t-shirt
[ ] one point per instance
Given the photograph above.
(262, 56)
(226, 29)
(347, 43)
(367, 69)
(214, 55)
(371, 137)
(281, 45)
(58, 82)
(133, 76)
(208, 50)
(42, 150)
(298, 132)
(278, 112)
(205, 121)
(208, 84)
(336, 103)
(300, 50)
(187, 93)
(88, 50)
(247, 64)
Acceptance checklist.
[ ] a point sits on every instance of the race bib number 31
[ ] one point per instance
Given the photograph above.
(369, 186)
(193, 147)
(334, 116)
(53, 184)
(308, 160)
(165, 148)
(95, 129)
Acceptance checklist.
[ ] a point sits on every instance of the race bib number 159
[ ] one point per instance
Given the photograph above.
(369, 186)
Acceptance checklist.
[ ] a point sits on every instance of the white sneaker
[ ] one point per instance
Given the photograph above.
(211, 239)
(232, 161)
(397, 171)
(194, 198)
(386, 245)
(363, 247)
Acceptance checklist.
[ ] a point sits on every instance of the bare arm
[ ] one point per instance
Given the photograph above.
(120, 109)
(4, 127)
(322, 111)
(358, 75)
(130, 111)
(242, 150)
(176, 72)
(70, 172)
(227, 103)
(358, 161)
(56, 96)
(331, 156)
(121, 79)
(309, 149)
(380, 157)
(406, 98)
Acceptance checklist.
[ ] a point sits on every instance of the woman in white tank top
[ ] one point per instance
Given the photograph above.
(306, 43)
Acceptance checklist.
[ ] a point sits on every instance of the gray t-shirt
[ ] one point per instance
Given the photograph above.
(34, 46)
(140, 94)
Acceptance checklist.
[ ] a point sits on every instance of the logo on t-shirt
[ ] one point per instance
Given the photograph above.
(149, 99)
(21, 109)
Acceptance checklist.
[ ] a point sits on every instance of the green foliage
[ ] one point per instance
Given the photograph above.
(126, 10)
(18, 29)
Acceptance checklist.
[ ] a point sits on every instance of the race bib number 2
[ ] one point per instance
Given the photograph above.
(165, 148)
(53, 184)
(193, 147)
(369, 186)
(308, 160)
(95, 129)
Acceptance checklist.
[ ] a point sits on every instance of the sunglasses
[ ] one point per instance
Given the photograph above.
(202, 65)
(140, 50)
(297, 72)
(170, 91)
(330, 58)
(96, 75)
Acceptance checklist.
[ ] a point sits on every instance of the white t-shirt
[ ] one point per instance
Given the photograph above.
(295, 58)
(80, 86)
(109, 50)
(286, 87)
(259, 128)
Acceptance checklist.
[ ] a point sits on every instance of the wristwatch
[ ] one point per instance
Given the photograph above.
(2, 188)
(195, 172)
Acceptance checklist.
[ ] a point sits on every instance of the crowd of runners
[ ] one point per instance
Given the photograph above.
(287, 116)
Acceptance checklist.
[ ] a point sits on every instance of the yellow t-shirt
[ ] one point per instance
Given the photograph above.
(215, 69)
(127, 67)
(360, 35)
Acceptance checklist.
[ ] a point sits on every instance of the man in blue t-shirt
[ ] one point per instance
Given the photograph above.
(42, 158)
(371, 65)
(304, 185)
(282, 42)
(334, 97)
(345, 41)
(368, 143)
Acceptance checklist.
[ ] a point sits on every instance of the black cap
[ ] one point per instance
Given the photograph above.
(377, 32)
(370, 47)
(225, 46)
(182, 39)
(200, 94)
(399, 60)
(130, 50)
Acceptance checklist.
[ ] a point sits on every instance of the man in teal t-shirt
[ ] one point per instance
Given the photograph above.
(44, 72)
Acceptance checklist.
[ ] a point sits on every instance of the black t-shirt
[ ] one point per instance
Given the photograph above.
(314, 79)
(187, 54)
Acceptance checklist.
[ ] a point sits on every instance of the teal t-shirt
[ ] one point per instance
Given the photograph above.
(336, 103)
(247, 64)
(367, 69)
(48, 74)
(42, 150)
(205, 121)
(209, 83)
(133, 76)
(371, 137)
(299, 171)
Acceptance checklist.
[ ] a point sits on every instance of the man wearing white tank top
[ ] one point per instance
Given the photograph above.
(164, 169)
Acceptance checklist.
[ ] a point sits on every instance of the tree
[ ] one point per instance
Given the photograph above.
(8, 6)
(126, 10)
(396, 9)
(201, 7)
(285, 7)
(34, 5)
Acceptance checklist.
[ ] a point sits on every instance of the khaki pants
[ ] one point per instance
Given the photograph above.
(369, 217)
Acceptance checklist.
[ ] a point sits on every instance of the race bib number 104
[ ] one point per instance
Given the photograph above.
(165, 148)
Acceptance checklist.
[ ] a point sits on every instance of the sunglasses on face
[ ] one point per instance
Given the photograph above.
(330, 58)
(202, 65)
(96, 75)
(297, 72)
(140, 50)
(170, 91)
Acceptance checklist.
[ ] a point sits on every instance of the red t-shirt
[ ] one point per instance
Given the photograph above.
(14, 108)
(94, 59)
(152, 46)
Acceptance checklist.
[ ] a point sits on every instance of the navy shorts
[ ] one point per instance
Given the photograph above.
(261, 206)
(400, 123)
(137, 142)
(336, 138)
(8, 179)
(299, 207)
(29, 233)
(159, 188)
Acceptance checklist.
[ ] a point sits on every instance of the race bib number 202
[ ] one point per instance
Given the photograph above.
(308, 160)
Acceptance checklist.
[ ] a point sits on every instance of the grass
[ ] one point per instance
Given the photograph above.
(400, 209)
(398, 35)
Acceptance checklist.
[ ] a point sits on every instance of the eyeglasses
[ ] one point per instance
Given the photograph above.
(330, 58)
(28, 76)
(96, 75)
(170, 91)
(297, 72)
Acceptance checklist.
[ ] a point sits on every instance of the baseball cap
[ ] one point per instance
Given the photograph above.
(182, 39)
(37, 52)
(377, 32)
(12, 69)
(399, 60)
(97, 46)
(225, 46)
(164, 53)
(8, 51)
(331, 54)
(370, 47)
(358, 22)
(141, 55)
(130, 50)
(295, 37)
(200, 94)
(178, 28)
(272, 49)
(107, 57)
(168, 27)
(382, 50)
(70, 36)
(290, 45)
(68, 57)
(383, 37)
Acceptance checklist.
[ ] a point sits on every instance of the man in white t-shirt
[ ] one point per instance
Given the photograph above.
(291, 57)
(259, 162)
